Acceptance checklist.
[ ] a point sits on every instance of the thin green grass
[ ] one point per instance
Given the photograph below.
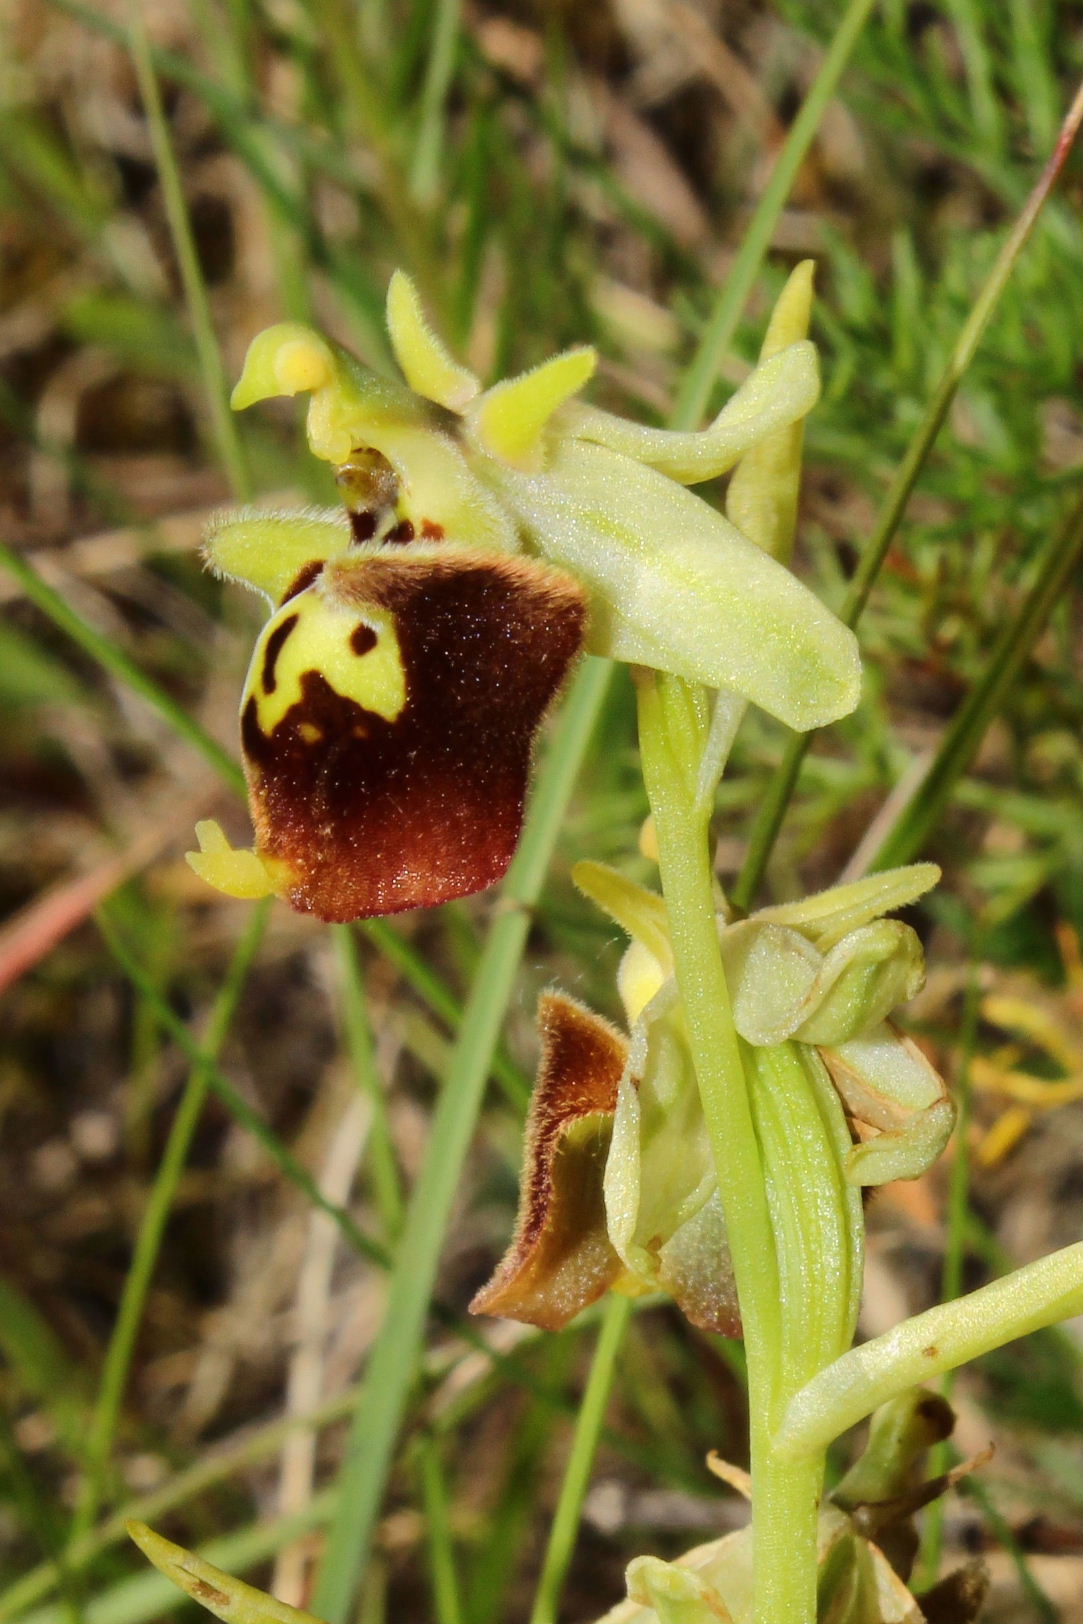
(386, 1183)
(573, 1489)
(105, 1416)
(227, 440)
(394, 1356)
(436, 1503)
(769, 819)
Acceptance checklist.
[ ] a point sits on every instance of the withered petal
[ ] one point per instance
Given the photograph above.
(696, 1271)
(372, 808)
(560, 1258)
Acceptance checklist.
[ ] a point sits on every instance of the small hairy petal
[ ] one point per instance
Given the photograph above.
(510, 418)
(426, 364)
(270, 551)
(561, 1259)
(673, 585)
(388, 721)
(641, 913)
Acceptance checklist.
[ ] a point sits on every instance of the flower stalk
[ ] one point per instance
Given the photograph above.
(951, 1334)
(773, 1252)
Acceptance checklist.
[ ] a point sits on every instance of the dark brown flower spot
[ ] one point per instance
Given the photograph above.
(275, 644)
(400, 533)
(363, 524)
(303, 580)
(363, 638)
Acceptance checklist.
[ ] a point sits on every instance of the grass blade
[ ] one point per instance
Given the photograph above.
(444, 32)
(358, 1035)
(447, 1607)
(227, 440)
(960, 744)
(768, 820)
(588, 1427)
(699, 380)
(103, 1422)
(235, 1102)
(117, 663)
(390, 1375)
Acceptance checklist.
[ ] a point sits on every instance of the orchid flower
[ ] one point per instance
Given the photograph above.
(619, 1188)
(418, 636)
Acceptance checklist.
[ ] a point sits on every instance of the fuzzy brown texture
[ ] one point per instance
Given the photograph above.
(560, 1258)
(374, 816)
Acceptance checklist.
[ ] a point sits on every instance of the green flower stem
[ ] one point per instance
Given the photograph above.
(588, 1426)
(119, 1355)
(930, 1343)
(394, 1359)
(672, 727)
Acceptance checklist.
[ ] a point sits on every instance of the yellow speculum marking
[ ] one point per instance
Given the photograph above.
(319, 640)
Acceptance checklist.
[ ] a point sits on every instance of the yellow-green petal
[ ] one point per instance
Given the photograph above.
(426, 365)
(510, 418)
(780, 391)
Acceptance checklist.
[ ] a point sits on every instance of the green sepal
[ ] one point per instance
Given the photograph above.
(763, 491)
(675, 1595)
(826, 916)
(886, 1081)
(673, 585)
